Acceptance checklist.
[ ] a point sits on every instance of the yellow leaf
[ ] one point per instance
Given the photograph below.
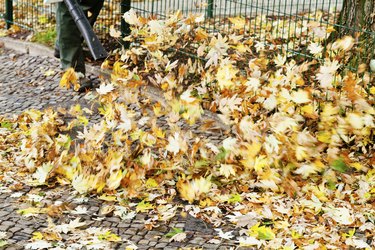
(320, 193)
(260, 163)
(345, 43)
(309, 111)
(239, 22)
(131, 247)
(105, 197)
(324, 136)
(157, 108)
(42, 172)
(227, 170)
(357, 166)
(200, 34)
(69, 78)
(37, 236)
(262, 233)
(295, 235)
(225, 75)
(109, 236)
(106, 209)
(191, 190)
(132, 18)
(330, 29)
(49, 73)
(118, 70)
(186, 191)
(114, 179)
(176, 144)
(113, 32)
(31, 211)
(301, 96)
(241, 48)
(301, 153)
(152, 183)
(355, 120)
(43, 19)
(82, 183)
(143, 206)
(280, 60)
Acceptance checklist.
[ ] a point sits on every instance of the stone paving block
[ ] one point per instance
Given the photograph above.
(152, 243)
(4, 213)
(14, 229)
(15, 219)
(14, 248)
(153, 234)
(7, 223)
(210, 246)
(198, 240)
(163, 229)
(28, 230)
(8, 209)
(143, 242)
(161, 245)
(123, 225)
(180, 225)
(136, 238)
(114, 219)
(164, 239)
(131, 231)
(20, 237)
(223, 247)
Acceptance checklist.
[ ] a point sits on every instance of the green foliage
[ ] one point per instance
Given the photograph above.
(46, 37)
(7, 125)
(173, 232)
(235, 198)
(339, 165)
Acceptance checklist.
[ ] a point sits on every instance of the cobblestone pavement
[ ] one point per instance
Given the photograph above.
(32, 82)
(20, 229)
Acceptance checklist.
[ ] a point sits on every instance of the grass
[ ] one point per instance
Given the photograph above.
(46, 37)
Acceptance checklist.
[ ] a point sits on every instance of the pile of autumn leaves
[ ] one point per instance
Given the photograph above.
(288, 119)
(291, 123)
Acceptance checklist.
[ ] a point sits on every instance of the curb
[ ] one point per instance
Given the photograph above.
(151, 92)
(26, 47)
(34, 49)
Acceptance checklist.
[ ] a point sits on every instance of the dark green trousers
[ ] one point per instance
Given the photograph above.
(69, 39)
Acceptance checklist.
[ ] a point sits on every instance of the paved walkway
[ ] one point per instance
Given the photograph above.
(26, 82)
(31, 82)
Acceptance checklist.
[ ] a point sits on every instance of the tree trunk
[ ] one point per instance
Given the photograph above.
(357, 19)
(356, 16)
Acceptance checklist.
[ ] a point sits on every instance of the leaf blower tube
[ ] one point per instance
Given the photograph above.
(96, 48)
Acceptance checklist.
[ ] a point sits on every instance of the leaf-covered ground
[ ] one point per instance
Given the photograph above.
(296, 170)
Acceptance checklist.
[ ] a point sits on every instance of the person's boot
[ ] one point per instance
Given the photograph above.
(85, 84)
(56, 52)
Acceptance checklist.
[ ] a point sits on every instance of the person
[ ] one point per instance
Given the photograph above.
(68, 45)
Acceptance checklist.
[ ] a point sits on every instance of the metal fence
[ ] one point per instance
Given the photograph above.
(37, 16)
(294, 23)
(280, 19)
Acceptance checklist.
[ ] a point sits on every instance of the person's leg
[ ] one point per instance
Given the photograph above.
(69, 40)
(56, 52)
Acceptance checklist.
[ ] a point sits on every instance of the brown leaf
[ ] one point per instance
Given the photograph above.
(350, 87)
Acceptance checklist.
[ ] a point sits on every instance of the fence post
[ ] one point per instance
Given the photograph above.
(210, 9)
(9, 13)
(125, 28)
